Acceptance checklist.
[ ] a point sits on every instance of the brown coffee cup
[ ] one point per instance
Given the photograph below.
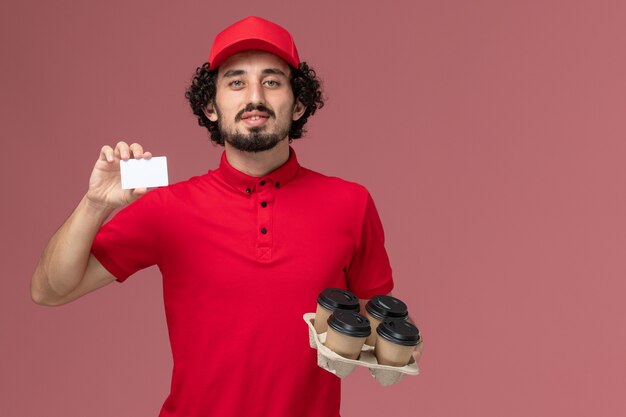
(395, 342)
(381, 307)
(347, 331)
(330, 300)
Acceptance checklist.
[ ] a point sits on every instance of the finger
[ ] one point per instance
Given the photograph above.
(147, 155)
(122, 150)
(128, 196)
(138, 192)
(136, 150)
(417, 352)
(106, 154)
(420, 346)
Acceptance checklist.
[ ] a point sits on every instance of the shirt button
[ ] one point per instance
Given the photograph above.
(277, 185)
(263, 204)
(264, 230)
(248, 190)
(262, 182)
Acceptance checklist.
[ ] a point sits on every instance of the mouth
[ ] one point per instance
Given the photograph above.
(255, 118)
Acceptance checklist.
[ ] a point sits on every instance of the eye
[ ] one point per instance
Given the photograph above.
(236, 84)
(272, 83)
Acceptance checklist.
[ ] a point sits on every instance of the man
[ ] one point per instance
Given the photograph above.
(244, 249)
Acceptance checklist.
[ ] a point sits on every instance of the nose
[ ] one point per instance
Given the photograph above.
(256, 95)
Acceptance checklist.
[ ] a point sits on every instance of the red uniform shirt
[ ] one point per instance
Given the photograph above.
(242, 259)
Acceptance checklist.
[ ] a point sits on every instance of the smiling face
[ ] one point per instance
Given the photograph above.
(254, 103)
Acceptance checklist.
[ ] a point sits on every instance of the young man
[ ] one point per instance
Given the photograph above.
(244, 249)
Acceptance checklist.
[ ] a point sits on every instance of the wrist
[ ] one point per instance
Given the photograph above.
(97, 208)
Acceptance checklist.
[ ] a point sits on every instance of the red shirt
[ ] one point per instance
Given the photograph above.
(242, 259)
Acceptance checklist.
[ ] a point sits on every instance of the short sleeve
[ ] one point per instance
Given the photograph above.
(369, 272)
(129, 242)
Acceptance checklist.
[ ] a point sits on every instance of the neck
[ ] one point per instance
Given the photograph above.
(257, 164)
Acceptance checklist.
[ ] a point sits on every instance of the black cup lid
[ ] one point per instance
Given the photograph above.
(349, 323)
(383, 306)
(399, 331)
(336, 298)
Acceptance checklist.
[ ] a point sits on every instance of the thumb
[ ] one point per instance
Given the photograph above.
(140, 191)
(417, 352)
(131, 195)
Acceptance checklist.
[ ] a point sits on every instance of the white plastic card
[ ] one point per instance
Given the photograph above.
(139, 173)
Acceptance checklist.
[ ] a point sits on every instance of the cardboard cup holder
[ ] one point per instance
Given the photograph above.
(342, 367)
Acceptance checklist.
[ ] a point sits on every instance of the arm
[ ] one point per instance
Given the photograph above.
(417, 353)
(67, 270)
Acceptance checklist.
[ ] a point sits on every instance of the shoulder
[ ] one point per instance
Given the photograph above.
(339, 189)
(314, 177)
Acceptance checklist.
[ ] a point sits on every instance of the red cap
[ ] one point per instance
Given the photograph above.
(253, 33)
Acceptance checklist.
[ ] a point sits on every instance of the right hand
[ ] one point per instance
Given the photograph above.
(105, 184)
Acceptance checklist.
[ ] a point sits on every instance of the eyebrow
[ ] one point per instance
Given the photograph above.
(237, 72)
(274, 71)
(233, 73)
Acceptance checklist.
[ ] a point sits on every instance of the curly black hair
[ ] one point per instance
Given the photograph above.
(305, 85)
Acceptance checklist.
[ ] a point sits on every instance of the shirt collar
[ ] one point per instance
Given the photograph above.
(247, 184)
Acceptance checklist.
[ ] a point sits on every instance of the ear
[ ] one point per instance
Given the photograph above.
(298, 110)
(209, 112)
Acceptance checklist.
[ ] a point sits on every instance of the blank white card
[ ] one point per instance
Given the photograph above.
(139, 173)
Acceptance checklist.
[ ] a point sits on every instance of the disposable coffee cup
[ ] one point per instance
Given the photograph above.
(332, 299)
(347, 331)
(383, 307)
(396, 341)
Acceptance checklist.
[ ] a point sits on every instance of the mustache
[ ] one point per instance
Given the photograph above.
(253, 107)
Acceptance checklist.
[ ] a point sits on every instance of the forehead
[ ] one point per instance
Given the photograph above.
(251, 61)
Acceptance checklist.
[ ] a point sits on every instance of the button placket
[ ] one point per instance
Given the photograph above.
(265, 235)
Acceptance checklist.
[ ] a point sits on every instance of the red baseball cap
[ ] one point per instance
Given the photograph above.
(253, 33)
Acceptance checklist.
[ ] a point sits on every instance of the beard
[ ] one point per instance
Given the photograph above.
(256, 140)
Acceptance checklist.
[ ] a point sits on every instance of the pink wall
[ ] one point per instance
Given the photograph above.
(490, 133)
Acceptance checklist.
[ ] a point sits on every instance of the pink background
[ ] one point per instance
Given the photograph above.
(490, 133)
